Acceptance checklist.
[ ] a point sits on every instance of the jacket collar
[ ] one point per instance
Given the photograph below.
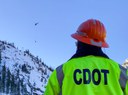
(86, 50)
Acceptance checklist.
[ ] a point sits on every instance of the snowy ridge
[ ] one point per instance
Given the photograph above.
(26, 67)
(125, 64)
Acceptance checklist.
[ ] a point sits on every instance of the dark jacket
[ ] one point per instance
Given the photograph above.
(86, 49)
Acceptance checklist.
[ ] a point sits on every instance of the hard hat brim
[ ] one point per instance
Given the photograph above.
(89, 41)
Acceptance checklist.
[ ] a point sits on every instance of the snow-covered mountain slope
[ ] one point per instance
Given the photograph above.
(25, 67)
(125, 64)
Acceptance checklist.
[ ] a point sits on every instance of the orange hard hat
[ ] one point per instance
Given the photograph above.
(91, 32)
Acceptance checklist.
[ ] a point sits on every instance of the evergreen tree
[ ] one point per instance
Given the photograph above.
(12, 84)
(21, 85)
(24, 69)
(8, 84)
(0, 56)
(25, 90)
(3, 78)
(18, 83)
(0, 82)
(0, 73)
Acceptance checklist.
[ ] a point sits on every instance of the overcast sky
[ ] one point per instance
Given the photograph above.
(56, 20)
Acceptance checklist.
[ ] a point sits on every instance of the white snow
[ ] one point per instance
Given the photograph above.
(14, 59)
(125, 64)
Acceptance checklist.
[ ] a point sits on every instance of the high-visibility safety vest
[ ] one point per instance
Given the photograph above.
(90, 75)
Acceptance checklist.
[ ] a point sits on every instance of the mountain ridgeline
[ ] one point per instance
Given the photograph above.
(21, 73)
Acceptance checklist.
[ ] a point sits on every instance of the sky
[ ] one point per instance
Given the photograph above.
(56, 20)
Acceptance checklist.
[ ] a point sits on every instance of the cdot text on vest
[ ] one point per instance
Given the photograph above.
(86, 76)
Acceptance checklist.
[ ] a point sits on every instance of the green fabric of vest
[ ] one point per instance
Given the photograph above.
(90, 75)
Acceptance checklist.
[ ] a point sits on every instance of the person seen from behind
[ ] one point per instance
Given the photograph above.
(89, 71)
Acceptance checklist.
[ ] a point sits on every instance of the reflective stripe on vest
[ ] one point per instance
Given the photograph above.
(60, 76)
(123, 77)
